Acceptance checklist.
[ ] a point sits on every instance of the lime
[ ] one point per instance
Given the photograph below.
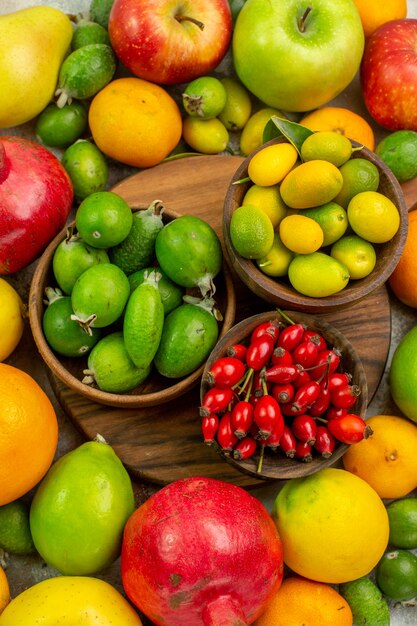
(403, 375)
(332, 219)
(402, 516)
(204, 97)
(206, 136)
(87, 32)
(251, 137)
(251, 232)
(317, 274)
(171, 293)
(99, 296)
(301, 234)
(110, 367)
(269, 200)
(358, 175)
(399, 151)
(373, 216)
(396, 575)
(238, 107)
(87, 168)
(278, 259)
(80, 508)
(271, 164)
(63, 334)
(327, 145)
(369, 607)
(356, 253)
(71, 258)
(60, 127)
(103, 219)
(15, 535)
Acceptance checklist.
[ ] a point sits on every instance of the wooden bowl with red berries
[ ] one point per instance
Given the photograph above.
(283, 394)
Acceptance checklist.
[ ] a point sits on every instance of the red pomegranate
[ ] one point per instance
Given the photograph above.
(36, 197)
(201, 552)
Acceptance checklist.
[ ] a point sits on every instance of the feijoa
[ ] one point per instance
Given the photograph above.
(171, 294)
(88, 32)
(87, 168)
(61, 126)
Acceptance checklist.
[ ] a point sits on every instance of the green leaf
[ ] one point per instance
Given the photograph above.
(292, 131)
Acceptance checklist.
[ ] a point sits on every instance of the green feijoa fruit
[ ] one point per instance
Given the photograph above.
(204, 97)
(189, 252)
(143, 321)
(171, 294)
(189, 334)
(110, 367)
(15, 535)
(84, 72)
(99, 296)
(62, 333)
(369, 607)
(87, 168)
(137, 250)
(396, 575)
(80, 508)
(100, 10)
(88, 32)
(71, 258)
(402, 515)
(103, 219)
(61, 126)
(399, 151)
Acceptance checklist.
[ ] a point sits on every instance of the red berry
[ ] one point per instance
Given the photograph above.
(336, 379)
(344, 396)
(303, 451)
(322, 403)
(238, 350)
(304, 428)
(325, 442)
(216, 400)
(332, 412)
(209, 425)
(328, 362)
(225, 436)
(282, 392)
(349, 428)
(281, 356)
(244, 448)
(271, 327)
(281, 373)
(226, 372)
(305, 396)
(242, 418)
(291, 336)
(305, 354)
(287, 443)
(259, 351)
(316, 338)
(266, 415)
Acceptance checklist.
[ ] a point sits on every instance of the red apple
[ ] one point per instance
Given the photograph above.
(170, 41)
(388, 75)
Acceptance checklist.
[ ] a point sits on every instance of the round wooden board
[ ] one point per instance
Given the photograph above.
(164, 443)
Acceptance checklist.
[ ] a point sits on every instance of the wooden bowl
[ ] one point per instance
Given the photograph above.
(275, 465)
(156, 389)
(279, 291)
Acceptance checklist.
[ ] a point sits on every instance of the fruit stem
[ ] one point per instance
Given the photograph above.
(187, 18)
(285, 317)
(302, 20)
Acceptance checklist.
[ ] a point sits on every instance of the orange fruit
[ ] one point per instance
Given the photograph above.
(135, 122)
(403, 280)
(28, 433)
(342, 121)
(307, 602)
(387, 460)
(374, 13)
(4, 590)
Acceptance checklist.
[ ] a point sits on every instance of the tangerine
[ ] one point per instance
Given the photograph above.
(374, 13)
(303, 601)
(403, 280)
(135, 122)
(28, 433)
(342, 121)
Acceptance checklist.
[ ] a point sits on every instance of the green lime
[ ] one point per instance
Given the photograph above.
(71, 258)
(99, 296)
(100, 11)
(358, 175)
(269, 200)
(88, 32)
(204, 97)
(251, 136)
(103, 219)
(373, 216)
(206, 136)
(357, 254)
(327, 145)
(110, 367)
(403, 375)
(402, 516)
(251, 232)
(79, 510)
(171, 293)
(62, 333)
(87, 168)
(333, 221)
(238, 107)
(317, 274)
(60, 127)
(399, 151)
(15, 535)
(396, 575)
(369, 607)
(278, 259)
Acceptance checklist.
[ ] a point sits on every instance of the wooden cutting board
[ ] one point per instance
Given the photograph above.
(164, 443)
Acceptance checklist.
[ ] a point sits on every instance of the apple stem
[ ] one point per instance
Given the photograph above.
(186, 18)
(302, 22)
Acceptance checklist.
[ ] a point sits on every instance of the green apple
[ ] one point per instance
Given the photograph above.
(297, 55)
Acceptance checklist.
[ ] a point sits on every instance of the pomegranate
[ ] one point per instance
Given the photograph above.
(36, 197)
(201, 552)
